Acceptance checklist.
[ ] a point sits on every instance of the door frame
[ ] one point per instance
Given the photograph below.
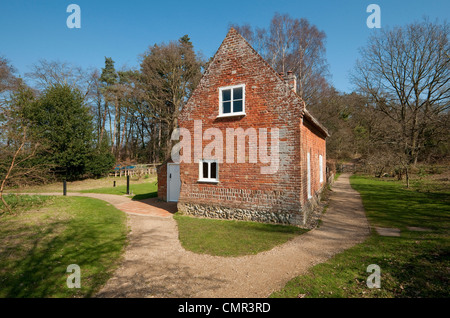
(168, 178)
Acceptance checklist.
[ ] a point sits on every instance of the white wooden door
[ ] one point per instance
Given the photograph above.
(173, 182)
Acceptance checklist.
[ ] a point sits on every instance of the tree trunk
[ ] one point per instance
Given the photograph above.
(116, 123)
(110, 132)
(124, 133)
(103, 123)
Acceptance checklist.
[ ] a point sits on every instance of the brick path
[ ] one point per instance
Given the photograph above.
(149, 207)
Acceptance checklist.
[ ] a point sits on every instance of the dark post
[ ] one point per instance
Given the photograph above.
(64, 187)
(128, 184)
(114, 184)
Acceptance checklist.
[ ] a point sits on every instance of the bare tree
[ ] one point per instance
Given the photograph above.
(7, 79)
(14, 169)
(45, 73)
(406, 73)
(292, 45)
(17, 144)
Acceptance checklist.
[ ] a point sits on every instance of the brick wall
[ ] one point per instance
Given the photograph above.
(162, 181)
(312, 141)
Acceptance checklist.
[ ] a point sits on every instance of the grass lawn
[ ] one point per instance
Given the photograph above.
(140, 191)
(231, 238)
(416, 264)
(40, 241)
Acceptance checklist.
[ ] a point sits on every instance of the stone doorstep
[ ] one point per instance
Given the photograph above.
(386, 231)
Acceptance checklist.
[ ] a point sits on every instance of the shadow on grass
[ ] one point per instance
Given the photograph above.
(35, 264)
(144, 196)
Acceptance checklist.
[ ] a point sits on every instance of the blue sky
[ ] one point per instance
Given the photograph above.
(32, 30)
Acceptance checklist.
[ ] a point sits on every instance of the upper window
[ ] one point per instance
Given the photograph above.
(232, 101)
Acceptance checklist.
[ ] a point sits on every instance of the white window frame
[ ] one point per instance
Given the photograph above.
(321, 168)
(200, 171)
(242, 113)
(308, 175)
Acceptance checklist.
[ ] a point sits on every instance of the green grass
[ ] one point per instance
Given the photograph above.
(22, 203)
(417, 264)
(140, 191)
(38, 244)
(231, 238)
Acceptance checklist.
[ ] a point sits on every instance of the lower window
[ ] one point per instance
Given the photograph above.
(208, 171)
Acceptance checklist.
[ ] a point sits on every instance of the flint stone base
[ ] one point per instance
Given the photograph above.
(218, 212)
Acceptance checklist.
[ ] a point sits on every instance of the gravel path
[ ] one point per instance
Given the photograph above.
(155, 264)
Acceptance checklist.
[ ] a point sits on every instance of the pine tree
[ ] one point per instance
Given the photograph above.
(109, 75)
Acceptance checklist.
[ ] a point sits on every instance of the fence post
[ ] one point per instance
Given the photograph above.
(128, 184)
(64, 187)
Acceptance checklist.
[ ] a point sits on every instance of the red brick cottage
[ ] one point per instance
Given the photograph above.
(239, 103)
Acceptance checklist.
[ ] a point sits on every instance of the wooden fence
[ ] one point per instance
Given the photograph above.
(136, 170)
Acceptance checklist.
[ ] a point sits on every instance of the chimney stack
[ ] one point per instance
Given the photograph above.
(291, 80)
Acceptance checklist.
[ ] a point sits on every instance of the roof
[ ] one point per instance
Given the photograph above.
(315, 122)
(303, 112)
